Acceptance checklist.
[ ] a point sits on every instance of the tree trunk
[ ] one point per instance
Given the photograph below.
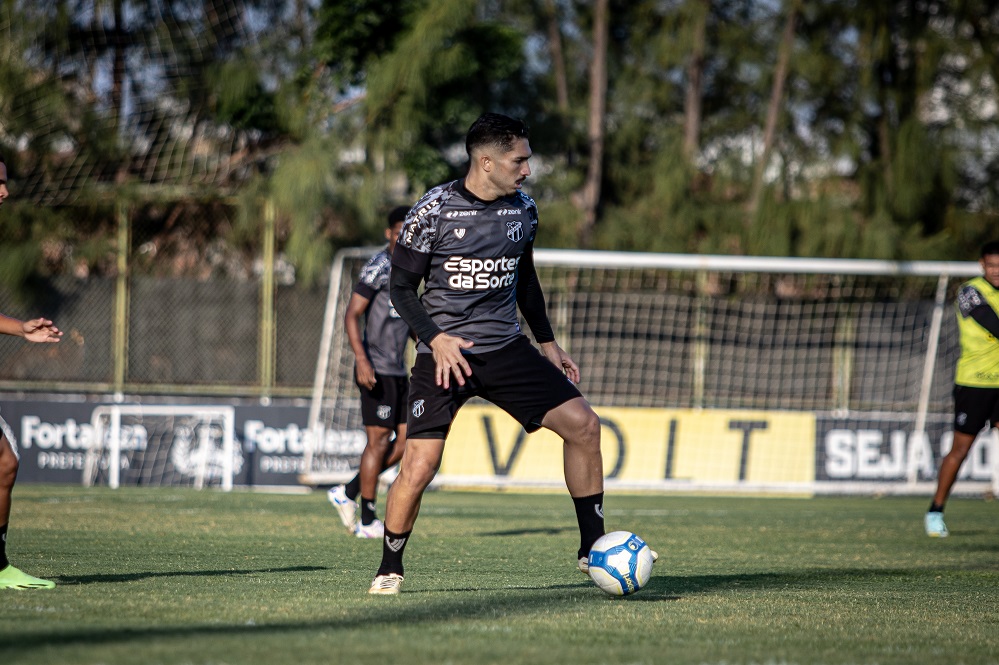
(695, 76)
(595, 125)
(558, 57)
(118, 73)
(776, 101)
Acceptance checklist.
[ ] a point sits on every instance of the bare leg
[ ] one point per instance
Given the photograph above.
(582, 461)
(951, 464)
(8, 473)
(419, 466)
(372, 458)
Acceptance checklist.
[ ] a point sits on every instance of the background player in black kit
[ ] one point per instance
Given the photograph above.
(471, 242)
(378, 337)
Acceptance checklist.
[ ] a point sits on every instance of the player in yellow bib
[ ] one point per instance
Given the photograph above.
(976, 382)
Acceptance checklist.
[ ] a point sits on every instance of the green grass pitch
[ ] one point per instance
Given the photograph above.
(182, 577)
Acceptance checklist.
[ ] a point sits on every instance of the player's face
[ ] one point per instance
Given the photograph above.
(990, 268)
(392, 235)
(511, 169)
(3, 183)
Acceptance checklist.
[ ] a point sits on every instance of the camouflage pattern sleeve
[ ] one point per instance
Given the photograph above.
(968, 298)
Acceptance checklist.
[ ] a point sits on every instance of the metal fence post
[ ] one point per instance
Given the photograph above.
(267, 348)
(119, 351)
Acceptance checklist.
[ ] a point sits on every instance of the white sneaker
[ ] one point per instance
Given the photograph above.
(374, 530)
(386, 585)
(344, 506)
(934, 524)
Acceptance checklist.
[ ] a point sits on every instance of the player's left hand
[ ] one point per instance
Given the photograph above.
(561, 359)
(40, 330)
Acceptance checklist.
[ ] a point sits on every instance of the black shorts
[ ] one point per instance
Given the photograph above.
(973, 407)
(516, 378)
(385, 404)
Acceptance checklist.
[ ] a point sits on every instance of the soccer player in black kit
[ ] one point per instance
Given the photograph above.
(471, 242)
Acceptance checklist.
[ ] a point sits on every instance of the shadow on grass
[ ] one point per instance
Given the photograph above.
(672, 588)
(422, 607)
(547, 531)
(67, 580)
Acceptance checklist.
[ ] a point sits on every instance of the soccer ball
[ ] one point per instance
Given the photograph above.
(620, 563)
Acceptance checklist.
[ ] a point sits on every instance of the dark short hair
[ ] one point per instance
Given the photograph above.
(990, 248)
(2, 160)
(494, 129)
(397, 214)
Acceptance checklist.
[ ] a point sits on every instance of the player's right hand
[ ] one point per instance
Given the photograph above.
(365, 374)
(40, 330)
(449, 359)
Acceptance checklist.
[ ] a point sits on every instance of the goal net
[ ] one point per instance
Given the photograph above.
(178, 446)
(720, 372)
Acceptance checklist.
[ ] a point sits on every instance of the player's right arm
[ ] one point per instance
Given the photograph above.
(363, 369)
(410, 262)
(447, 349)
(35, 330)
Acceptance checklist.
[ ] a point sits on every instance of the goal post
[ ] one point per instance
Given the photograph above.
(744, 373)
(163, 445)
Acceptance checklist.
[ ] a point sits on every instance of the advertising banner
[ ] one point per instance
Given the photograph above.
(642, 446)
(53, 439)
(879, 450)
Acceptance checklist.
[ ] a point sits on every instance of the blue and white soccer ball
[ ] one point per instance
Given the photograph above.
(620, 563)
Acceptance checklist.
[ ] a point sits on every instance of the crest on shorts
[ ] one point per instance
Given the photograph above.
(384, 411)
(514, 231)
(460, 233)
(418, 408)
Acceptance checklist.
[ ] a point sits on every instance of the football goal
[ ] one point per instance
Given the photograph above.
(158, 445)
(754, 373)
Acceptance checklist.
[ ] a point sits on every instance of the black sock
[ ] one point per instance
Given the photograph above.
(393, 545)
(590, 515)
(4, 561)
(936, 507)
(353, 488)
(367, 511)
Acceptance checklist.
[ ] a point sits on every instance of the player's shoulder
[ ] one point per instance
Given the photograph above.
(527, 203)
(421, 222)
(525, 199)
(428, 208)
(377, 268)
(969, 296)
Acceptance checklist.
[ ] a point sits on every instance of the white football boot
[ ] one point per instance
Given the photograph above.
(374, 530)
(345, 507)
(386, 585)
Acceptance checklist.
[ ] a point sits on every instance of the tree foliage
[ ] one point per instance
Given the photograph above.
(800, 127)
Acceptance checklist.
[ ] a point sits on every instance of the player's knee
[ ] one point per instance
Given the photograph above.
(8, 470)
(961, 445)
(418, 470)
(586, 427)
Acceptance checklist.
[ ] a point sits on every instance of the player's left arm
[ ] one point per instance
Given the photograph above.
(35, 330)
(531, 301)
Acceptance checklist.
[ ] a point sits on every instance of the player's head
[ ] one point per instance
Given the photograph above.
(3, 180)
(395, 219)
(498, 153)
(990, 262)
